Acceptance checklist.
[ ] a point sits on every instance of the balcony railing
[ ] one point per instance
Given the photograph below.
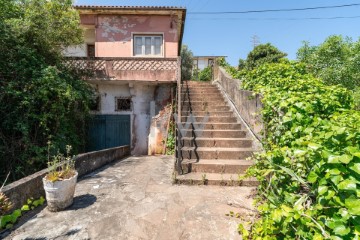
(128, 69)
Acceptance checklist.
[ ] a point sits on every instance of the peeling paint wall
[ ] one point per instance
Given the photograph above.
(114, 34)
(142, 95)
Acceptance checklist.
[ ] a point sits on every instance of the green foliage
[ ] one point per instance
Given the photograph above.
(186, 62)
(7, 221)
(230, 69)
(205, 74)
(44, 99)
(356, 96)
(335, 61)
(309, 172)
(170, 141)
(61, 166)
(261, 54)
(242, 64)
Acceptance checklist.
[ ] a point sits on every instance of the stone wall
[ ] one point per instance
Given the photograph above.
(246, 102)
(31, 186)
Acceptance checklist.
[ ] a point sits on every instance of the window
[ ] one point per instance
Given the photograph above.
(148, 45)
(122, 104)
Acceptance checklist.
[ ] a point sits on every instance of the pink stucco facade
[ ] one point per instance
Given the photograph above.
(114, 33)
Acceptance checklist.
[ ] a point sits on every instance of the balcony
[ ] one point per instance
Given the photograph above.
(127, 69)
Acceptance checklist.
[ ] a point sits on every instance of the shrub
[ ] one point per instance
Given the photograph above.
(205, 74)
(309, 172)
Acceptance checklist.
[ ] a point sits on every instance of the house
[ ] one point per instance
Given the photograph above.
(201, 62)
(133, 53)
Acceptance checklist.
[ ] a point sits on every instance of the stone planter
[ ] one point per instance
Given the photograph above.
(60, 194)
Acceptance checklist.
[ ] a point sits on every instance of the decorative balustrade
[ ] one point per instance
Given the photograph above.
(144, 69)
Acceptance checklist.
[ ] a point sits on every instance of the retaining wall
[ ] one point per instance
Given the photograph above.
(247, 103)
(31, 186)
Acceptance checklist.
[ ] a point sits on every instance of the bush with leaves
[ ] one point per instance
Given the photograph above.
(261, 54)
(205, 74)
(335, 61)
(309, 171)
(44, 99)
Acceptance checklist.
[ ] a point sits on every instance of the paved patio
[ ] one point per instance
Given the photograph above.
(135, 199)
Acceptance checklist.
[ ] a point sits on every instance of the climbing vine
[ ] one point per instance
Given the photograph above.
(310, 169)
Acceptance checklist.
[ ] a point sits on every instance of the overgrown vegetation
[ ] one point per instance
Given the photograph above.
(186, 62)
(310, 169)
(41, 98)
(261, 54)
(171, 141)
(335, 61)
(205, 74)
(7, 221)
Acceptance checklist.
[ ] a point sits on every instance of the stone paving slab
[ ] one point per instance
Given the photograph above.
(135, 199)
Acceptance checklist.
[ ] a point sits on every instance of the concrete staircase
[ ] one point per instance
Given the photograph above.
(215, 155)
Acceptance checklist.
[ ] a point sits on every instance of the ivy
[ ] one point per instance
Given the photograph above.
(310, 169)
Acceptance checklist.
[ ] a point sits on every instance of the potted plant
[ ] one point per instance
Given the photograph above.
(60, 182)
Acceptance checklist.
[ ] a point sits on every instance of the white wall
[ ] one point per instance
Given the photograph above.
(81, 50)
(141, 96)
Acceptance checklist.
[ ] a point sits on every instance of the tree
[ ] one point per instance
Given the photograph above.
(45, 100)
(335, 61)
(242, 64)
(186, 62)
(263, 53)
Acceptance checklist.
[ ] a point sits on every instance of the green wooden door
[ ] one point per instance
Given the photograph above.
(107, 131)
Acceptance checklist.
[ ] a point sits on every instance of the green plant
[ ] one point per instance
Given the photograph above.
(61, 166)
(203, 179)
(7, 221)
(356, 96)
(335, 61)
(261, 54)
(46, 100)
(205, 74)
(170, 141)
(309, 172)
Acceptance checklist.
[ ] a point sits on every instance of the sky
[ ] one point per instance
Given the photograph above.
(232, 35)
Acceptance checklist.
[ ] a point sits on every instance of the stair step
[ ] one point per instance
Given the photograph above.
(209, 119)
(205, 105)
(200, 89)
(217, 166)
(209, 94)
(215, 153)
(215, 179)
(210, 113)
(203, 98)
(222, 133)
(216, 127)
(198, 83)
(205, 108)
(217, 142)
